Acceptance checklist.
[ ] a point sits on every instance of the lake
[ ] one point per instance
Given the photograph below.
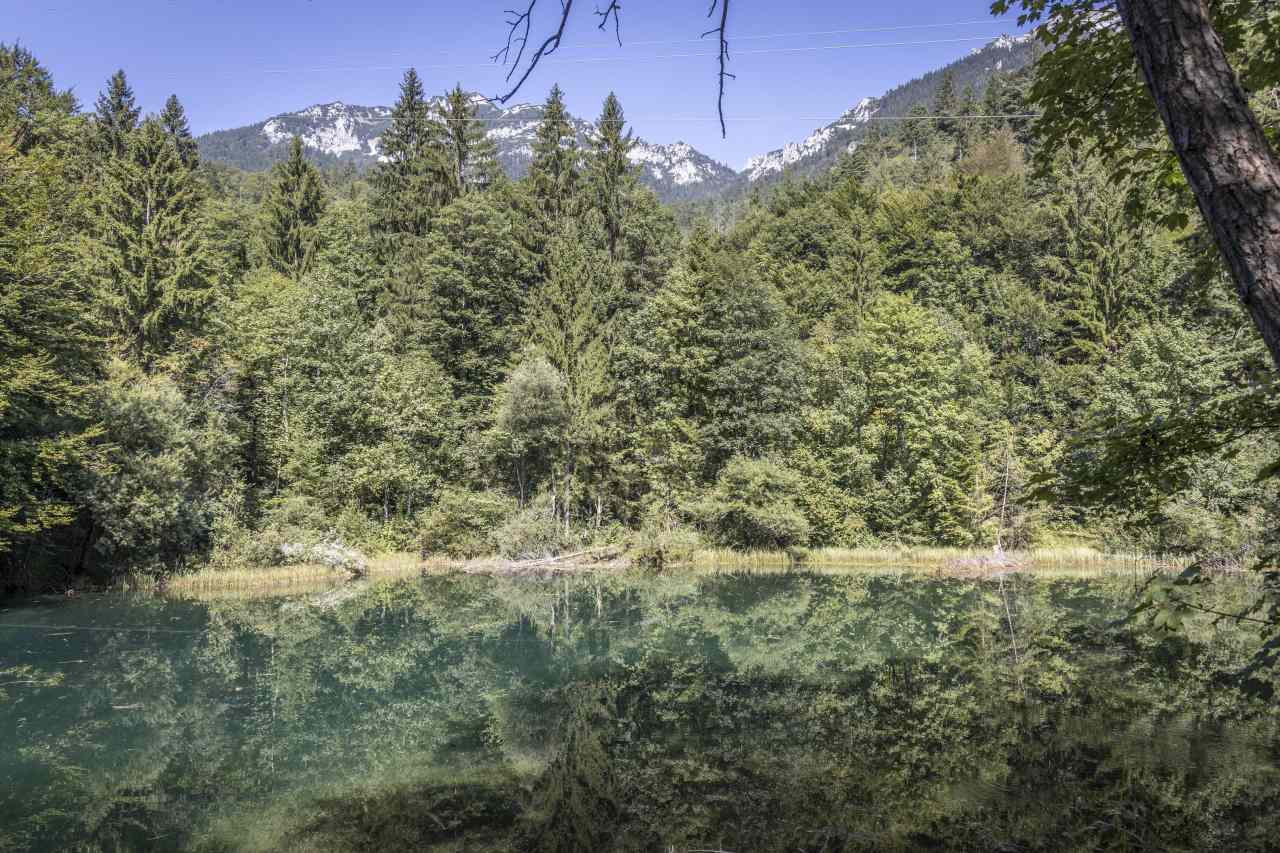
(796, 712)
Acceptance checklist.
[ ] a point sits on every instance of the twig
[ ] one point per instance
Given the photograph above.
(721, 32)
(614, 8)
(547, 47)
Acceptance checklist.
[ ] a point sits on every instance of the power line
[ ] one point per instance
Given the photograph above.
(737, 38)
(712, 118)
(614, 59)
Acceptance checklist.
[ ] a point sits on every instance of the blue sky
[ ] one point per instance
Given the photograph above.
(234, 62)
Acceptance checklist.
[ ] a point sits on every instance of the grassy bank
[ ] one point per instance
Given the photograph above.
(1072, 561)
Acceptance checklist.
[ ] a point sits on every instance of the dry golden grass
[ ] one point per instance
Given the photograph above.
(308, 577)
(1075, 561)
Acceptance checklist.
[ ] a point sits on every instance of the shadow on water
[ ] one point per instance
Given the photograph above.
(796, 712)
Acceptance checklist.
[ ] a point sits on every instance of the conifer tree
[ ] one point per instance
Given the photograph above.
(461, 294)
(117, 115)
(569, 326)
(553, 174)
(173, 118)
(32, 111)
(472, 160)
(154, 267)
(412, 182)
(710, 367)
(610, 173)
(918, 130)
(945, 103)
(291, 211)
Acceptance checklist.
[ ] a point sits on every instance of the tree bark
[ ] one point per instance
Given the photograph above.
(1229, 164)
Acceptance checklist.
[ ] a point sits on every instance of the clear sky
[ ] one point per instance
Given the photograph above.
(800, 63)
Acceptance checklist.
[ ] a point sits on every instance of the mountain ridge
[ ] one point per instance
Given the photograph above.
(336, 132)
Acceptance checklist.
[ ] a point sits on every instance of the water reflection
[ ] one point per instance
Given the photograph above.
(768, 713)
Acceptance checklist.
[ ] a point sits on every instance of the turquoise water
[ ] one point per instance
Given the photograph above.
(792, 712)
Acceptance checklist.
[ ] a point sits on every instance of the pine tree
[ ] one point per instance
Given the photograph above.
(918, 131)
(553, 174)
(461, 294)
(968, 129)
(154, 267)
(569, 326)
(472, 160)
(609, 169)
(32, 111)
(413, 182)
(710, 367)
(173, 118)
(405, 301)
(291, 211)
(945, 103)
(1002, 98)
(117, 115)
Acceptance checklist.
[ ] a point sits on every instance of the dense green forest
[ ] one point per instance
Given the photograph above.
(938, 342)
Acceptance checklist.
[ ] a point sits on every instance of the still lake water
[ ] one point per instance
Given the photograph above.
(753, 713)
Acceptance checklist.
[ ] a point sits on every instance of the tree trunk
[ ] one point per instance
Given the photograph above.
(1219, 142)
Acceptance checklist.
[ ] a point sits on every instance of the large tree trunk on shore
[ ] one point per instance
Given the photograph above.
(1228, 162)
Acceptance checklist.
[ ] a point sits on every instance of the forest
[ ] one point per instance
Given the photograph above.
(966, 334)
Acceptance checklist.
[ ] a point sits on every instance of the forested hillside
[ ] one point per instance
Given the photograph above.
(955, 89)
(920, 345)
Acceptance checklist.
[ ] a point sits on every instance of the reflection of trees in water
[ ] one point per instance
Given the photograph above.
(809, 713)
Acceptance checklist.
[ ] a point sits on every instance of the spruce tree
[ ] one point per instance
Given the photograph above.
(154, 267)
(569, 326)
(412, 182)
(472, 160)
(117, 115)
(609, 169)
(553, 174)
(710, 367)
(173, 118)
(918, 131)
(290, 213)
(945, 103)
(462, 293)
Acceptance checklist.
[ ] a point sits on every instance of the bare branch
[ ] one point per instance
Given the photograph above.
(614, 8)
(547, 47)
(513, 24)
(721, 32)
(520, 23)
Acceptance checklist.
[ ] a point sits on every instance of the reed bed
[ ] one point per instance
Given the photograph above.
(305, 577)
(1074, 560)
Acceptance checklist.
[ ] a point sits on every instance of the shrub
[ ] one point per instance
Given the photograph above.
(535, 531)
(663, 539)
(154, 479)
(464, 523)
(754, 504)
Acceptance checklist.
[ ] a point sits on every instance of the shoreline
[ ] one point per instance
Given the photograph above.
(961, 564)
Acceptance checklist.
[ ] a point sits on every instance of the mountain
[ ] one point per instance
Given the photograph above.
(823, 148)
(339, 133)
